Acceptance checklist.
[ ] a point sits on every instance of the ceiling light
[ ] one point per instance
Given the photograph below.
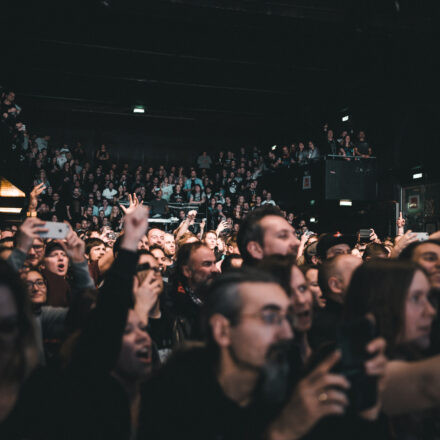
(345, 202)
(345, 118)
(417, 176)
(139, 109)
(274, 147)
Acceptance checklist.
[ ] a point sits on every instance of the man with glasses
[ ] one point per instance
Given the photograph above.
(214, 391)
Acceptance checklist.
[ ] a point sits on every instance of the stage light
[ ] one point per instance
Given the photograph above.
(345, 118)
(312, 202)
(139, 109)
(417, 176)
(345, 202)
(274, 147)
(312, 220)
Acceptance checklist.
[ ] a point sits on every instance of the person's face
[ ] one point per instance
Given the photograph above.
(35, 254)
(156, 236)
(8, 326)
(312, 279)
(419, 313)
(279, 237)
(428, 256)
(96, 252)
(211, 240)
(201, 267)
(338, 249)
(36, 287)
(302, 301)
(57, 262)
(262, 324)
(161, 258)
(169, 244)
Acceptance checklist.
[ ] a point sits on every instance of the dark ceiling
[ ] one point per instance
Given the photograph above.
(234, 65)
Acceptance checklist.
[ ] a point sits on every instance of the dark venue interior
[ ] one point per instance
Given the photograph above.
(170, 170)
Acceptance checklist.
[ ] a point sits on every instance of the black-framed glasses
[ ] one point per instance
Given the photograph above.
(37, 283)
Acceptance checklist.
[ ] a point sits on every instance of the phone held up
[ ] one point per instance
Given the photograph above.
(55, 230)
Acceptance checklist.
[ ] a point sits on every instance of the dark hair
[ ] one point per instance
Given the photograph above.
(91, 243)
(183, 256)
(251, 229)
(222, 296)
(374, 251)
(24, 357)
(227, 262)
(280, 267)
(380, 287)
(408, 252)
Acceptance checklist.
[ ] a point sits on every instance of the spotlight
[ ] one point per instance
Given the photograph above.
(345, 202)
(417, 176)
(274, 147)
(312, 220)
(345, 118)
(139, 109)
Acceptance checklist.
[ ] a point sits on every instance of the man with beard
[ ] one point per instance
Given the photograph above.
(195, 266)
(217, 391)
(265, 232)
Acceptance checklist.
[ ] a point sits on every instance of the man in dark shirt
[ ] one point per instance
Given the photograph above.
(362, 147)
(159, 206)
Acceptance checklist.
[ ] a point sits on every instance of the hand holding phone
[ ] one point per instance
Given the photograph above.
(56, 230)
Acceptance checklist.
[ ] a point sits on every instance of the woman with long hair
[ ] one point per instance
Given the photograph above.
(398, 295)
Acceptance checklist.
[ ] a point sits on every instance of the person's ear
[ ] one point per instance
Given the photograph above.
(335, 285)
(186, 271)
(221, 330)
(255, 250)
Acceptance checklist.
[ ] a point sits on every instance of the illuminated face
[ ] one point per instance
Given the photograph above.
(211, 240)
(427, 255)
(161, 258)
(302, 301)
(312, 279)
(156, 236)
(169, 245)
(57, 262)
(36, 253)
(36, 287)
(279, 237)
(419, 313)
(96, 252)
(262, 324)
(201, 267)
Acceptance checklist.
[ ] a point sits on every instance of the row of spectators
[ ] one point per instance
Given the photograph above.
(238, 329)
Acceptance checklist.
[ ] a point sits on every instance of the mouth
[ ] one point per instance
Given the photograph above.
(305, 314)
(144, 355)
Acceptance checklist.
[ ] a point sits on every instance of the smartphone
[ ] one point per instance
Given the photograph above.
(422, 236)
(55, 230)
(364, 235)
(352, 339)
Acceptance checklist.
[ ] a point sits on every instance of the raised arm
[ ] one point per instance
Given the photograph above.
(411, 386)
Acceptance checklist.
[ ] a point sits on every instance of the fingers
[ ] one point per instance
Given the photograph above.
(335, 398)
(376, 366)
(378, 344)
(332, 380)
(326, 365)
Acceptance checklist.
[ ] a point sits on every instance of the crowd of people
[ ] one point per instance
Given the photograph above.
(240, 325)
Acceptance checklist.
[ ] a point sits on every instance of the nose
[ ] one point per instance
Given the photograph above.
(285, 330)
(430, 310)
(298, 298)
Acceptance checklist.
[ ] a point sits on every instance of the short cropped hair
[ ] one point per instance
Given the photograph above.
(251, 230)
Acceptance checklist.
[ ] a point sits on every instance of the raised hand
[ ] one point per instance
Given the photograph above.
(148, 292)
(135, 227)
(405, 240)
(33, 196)
(133, 202)
(400, 221)
(74, 247)
(318, 395)
(28, 231)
